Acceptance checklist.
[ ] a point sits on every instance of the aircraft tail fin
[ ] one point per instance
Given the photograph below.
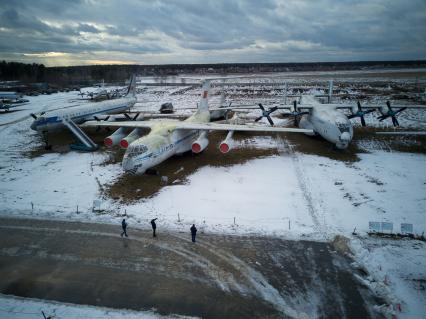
(205, 90)
(132, 86)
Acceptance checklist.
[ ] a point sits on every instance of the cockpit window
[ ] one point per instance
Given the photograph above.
(137, 150)
(343, 127)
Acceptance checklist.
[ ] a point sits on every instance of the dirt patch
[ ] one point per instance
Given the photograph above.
(367, 139)
(129, 188)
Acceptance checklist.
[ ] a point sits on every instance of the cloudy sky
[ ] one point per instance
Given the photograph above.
(79, 32)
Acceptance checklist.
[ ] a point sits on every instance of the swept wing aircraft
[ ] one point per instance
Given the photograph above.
(70, 117)
(167, 137)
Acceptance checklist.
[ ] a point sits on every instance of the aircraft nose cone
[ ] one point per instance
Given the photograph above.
(345, 137)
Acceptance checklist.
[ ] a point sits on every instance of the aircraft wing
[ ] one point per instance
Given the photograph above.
(246, 107)
(198, 126)
(134, 124)
(234, 127)
(353, 106)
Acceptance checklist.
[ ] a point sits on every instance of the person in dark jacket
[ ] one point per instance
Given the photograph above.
(193, 232)
(154, 227)
(124, 226)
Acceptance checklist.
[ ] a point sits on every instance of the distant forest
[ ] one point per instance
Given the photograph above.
(70, 75)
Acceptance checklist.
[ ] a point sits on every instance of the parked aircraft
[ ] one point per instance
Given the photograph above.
(69, 118)
(327, 121)
(6, 106)
(167, 137)
(334, 126)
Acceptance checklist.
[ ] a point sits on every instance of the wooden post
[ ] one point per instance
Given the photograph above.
(32, 207)
(289, 224)
(178, 218)
(77, 209)
(234, 220)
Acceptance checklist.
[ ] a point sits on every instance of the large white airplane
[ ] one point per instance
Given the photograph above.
(333, 125)
(327, 121)
(167, 137)
(69, 118)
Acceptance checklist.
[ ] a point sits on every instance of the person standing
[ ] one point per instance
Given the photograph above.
(193, 232)
(154, 227)
(124, 226)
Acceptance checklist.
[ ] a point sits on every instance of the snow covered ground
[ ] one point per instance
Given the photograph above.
(22, 308)
(293, 195)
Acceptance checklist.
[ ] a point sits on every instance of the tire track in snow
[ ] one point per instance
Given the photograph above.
(284, 146)
(257, 282)
(224, 279)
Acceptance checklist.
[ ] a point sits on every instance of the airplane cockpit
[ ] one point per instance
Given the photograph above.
(343, 127)
(134, 150)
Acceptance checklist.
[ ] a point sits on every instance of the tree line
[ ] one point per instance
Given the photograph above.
(30, 73)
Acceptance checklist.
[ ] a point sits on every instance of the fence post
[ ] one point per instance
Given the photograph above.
(32, 207)
(289, 224)
(178, 218)
(234, 220)
(77, 209)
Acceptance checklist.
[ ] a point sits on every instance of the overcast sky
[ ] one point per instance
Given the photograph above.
(81, 32)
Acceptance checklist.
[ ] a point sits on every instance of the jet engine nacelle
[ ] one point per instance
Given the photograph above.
(227, 144)
(201, 143)
(115, 137)
(133, 136)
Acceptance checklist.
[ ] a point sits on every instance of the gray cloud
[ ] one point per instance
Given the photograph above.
(174, 31)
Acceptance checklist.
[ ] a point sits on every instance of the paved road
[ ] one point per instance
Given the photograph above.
(217, 277)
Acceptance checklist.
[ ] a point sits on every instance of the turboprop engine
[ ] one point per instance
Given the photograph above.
(115, 137)
(200, 143)
(227, 144)
(133, 136)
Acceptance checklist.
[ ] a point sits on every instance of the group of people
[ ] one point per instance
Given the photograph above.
(154, 227)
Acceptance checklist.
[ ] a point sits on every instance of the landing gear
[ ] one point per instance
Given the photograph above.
(151, 171)
(47, 147)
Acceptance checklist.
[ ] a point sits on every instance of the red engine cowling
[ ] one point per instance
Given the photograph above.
(133, 136)
(201, 143)
(115, 137)
(227, 144)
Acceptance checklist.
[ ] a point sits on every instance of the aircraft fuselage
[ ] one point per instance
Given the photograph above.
(331, 124)
(162, 142)
(53, 121)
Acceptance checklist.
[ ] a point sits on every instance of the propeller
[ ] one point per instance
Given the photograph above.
(391, 113)
(295, 113)
(360, 113)
(266, 113)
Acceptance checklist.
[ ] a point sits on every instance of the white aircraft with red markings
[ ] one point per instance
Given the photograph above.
(167, 137)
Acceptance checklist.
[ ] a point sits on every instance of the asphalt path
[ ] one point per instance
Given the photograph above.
(217, 277)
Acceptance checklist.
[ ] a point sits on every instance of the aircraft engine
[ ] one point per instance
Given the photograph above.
(227, 144)
(115, 137)
(201, 143)
(133, 136)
